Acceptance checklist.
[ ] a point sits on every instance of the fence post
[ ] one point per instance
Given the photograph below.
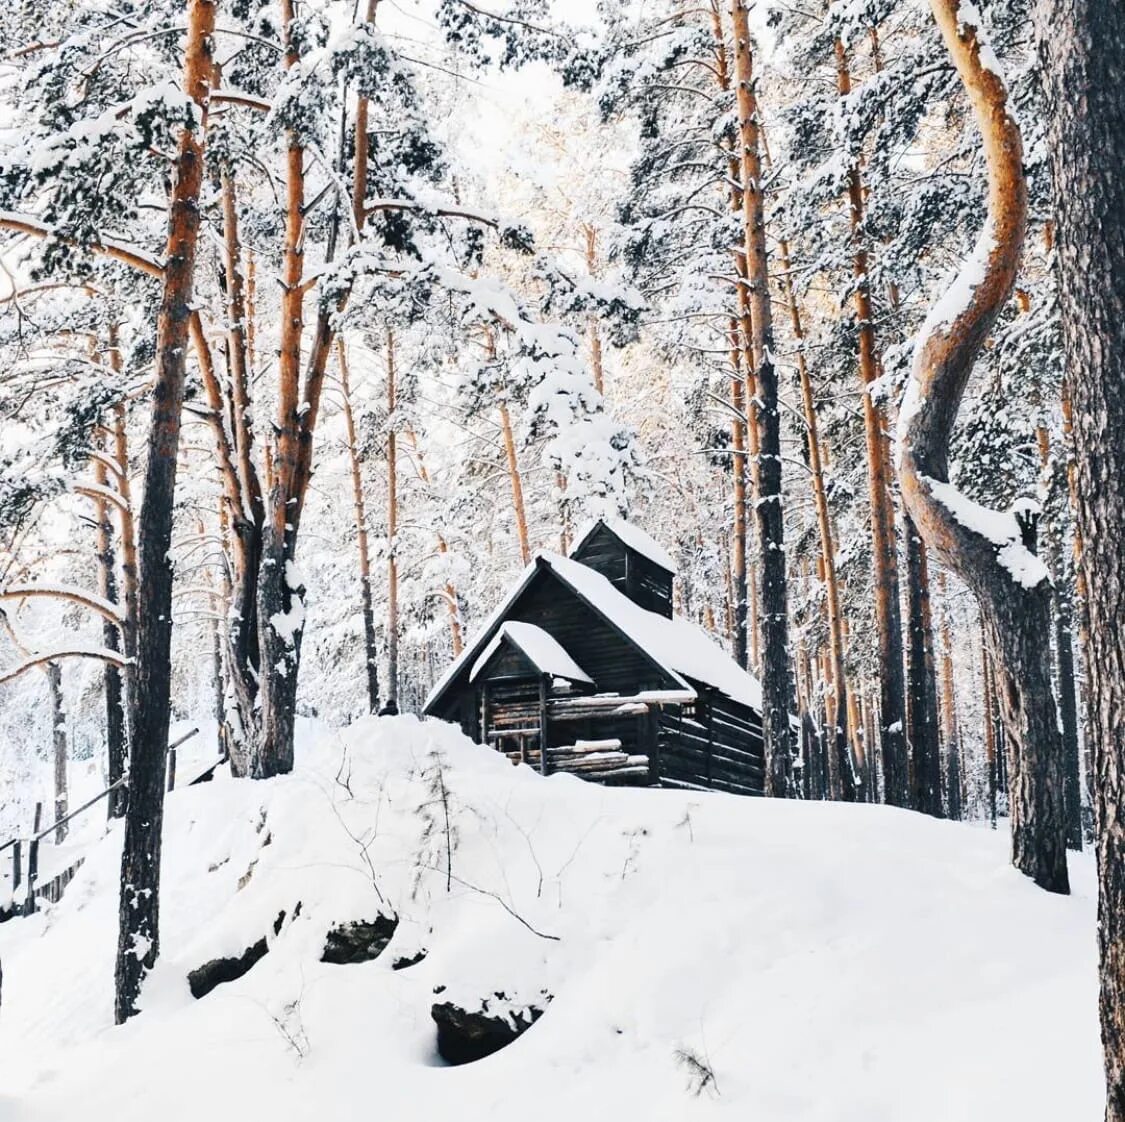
(172, 767)
(17, 872)
(33, 862)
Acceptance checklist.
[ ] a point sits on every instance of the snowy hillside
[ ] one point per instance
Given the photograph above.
(823, 961)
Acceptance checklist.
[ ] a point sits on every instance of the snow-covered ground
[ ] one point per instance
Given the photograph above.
(826, 962)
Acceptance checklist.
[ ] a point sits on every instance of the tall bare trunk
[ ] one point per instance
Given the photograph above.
(991, 753)
(777, 690)
(392, 530)
(1063, 610)
(1083, 43)
(449, 592)
(838, 704)
(884, 549)
(58, 746)
(838, 701)
(370, 646)
(593, 333)
(922, 703)
(128, 530)
(117, 746)
(280, 595)
(138, 941)
(949, 730)
(738, 498)
(1081, 596)
(516, 481)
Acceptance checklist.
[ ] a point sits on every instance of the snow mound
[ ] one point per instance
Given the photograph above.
(704, 953)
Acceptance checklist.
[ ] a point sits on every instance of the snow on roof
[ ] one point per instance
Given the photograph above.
(676, 645)
(635, 538)
(543, 650)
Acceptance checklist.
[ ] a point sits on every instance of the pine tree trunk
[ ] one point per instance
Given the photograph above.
(392, 531)
(593, 333)
(738, 501)
(58, 746)
(128, 531)
(991, 755)
(1063, 605)
(922, 707)
(247, 513)
(1080, 598)
(117, 748)
(995, 558)
(884, 548)
(1083, 42)
(138, 941)
(452, 602)
(773, 610)
(950, 733)
(280, 604)
(839, 703)
(516, 482)
(370, 645)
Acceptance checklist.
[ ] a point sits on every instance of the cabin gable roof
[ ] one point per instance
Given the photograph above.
(629, 535)
(546, 568)
(675, 648)
(541, 650)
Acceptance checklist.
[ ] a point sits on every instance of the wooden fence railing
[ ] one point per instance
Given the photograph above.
(52, 889)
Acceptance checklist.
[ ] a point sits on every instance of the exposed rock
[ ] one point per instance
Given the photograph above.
(405, 960)
(466, 1035)
(359, 941)
(203, 979)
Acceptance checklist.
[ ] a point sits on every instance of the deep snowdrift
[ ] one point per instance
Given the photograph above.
(825, 962)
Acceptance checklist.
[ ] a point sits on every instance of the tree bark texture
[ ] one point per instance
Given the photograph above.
(370, 646)
(117, 748)
(138, 941)
(773, 610)
(1083, 43)
(921, 700)
(951, 735)
(392, 527)
(58, 746)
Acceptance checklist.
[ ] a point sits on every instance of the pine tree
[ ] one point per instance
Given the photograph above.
(994, 554)
(1082, 43)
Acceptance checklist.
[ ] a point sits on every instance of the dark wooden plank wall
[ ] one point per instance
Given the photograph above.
(720, 747)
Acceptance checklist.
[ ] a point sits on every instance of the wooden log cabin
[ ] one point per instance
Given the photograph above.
(585, 669)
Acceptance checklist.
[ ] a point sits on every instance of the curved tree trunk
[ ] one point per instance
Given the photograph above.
(138, 940)
(992, 552)
(1084, 42)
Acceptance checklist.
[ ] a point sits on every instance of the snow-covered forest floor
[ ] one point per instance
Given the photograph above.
(822, 961)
